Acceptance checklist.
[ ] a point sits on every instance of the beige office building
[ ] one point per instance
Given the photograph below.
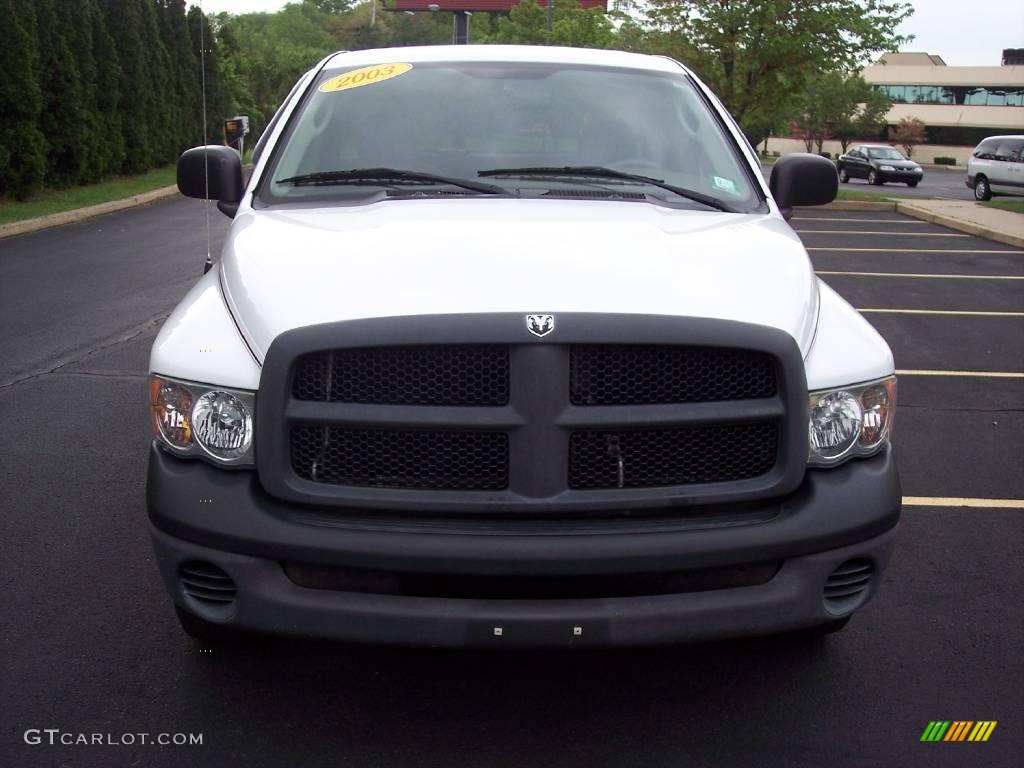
(958, 105)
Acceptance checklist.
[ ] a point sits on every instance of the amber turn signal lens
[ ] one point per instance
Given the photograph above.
(879, 403)
(170, 405)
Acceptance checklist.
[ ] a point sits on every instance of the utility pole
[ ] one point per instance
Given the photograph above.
(460, 35)
(373, 12)
(549, 15)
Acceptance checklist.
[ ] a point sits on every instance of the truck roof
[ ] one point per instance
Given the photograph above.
(503, 53)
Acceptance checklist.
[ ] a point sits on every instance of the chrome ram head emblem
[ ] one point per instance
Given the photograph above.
(540, 325)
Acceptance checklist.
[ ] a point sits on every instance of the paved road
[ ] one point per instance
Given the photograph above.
(69, 291)
(937, 182)
(90, 644)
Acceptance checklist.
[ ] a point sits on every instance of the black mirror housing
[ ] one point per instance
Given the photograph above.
(803, 179)
(225, 175)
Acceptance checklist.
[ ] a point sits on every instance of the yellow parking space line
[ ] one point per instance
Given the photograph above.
(862, 221)
(958, 312)
(946, 501)
(919, 275)
(976, 374)
(889, 234)
(916, 250)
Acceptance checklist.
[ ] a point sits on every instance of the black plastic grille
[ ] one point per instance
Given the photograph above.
(627, 374)
(679, 456)
(454, 375)
(521, 587)
(387, 458)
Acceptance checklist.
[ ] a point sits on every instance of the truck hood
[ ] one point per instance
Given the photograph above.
(288, 268)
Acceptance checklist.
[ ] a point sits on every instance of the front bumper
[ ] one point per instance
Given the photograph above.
(835, 516)
(901, 176)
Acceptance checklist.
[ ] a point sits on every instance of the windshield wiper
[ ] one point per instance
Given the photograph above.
(600, 172)
(374, 175)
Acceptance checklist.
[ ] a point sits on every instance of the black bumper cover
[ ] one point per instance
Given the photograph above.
(835, 515)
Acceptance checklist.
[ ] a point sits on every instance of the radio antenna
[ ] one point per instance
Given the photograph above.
(206, 152)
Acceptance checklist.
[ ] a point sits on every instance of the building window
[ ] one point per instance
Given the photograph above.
(975, 96)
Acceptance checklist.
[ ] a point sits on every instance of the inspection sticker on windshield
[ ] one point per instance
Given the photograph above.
(378, 73)
(726, 185)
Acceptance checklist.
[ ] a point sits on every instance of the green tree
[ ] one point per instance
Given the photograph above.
(63, 117)
(581, 27)
(757, 54)
(271, 51)
(22, 145)
(232, 77)
(158, 96)
(330, 6)
(80, 18)
(351, 30)
(110, 147)
(124, 23)
(860, 111)
(181, 88)
(205, 50)
(841, 107)
(811, 120)
(526, 24)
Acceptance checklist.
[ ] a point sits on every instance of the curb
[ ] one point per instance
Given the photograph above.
(81, 214)
(961, 225)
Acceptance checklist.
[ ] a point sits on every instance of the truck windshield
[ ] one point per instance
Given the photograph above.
(459, 120)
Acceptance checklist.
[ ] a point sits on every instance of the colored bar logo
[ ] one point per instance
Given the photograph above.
(958, 730)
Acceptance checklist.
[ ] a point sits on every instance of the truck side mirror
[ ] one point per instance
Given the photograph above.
(803, 179)
(224, 168)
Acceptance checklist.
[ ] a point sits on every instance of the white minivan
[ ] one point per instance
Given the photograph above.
(996, 167)
(514, 346)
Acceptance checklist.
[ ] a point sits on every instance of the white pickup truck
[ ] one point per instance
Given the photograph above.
(513, 346)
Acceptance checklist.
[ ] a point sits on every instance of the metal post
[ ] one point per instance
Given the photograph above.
(549, 15)
(461, 36)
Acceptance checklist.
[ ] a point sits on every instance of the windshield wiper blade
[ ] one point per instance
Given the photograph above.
(600, 172)
(373, 175)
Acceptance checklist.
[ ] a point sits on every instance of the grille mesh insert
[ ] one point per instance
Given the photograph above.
(392, 458)
(622, 374)
(679, 456)
(452, 375)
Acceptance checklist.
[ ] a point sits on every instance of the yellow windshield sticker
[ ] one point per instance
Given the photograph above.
(366, 76)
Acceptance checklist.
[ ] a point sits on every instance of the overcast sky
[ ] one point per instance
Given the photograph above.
(962, 32)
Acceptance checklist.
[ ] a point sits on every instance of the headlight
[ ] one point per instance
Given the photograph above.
(203, 421)
(222, 425)
(850, 421)
(886, 168)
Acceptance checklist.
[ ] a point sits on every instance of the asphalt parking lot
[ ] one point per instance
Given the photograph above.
(90, 643)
